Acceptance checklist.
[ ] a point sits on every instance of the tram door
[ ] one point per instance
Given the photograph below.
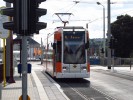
(57, 56)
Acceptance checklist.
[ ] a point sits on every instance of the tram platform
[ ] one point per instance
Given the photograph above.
(39, 86)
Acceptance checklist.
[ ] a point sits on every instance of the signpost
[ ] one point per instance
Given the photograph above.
(4, 34)
(24, 26)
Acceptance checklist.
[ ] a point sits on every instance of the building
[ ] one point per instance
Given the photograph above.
(33, 48)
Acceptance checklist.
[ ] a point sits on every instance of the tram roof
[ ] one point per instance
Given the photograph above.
(71, 27)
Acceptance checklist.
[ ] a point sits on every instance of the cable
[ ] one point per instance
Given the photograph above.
(65, 7)
(111, 16)
(72, 6)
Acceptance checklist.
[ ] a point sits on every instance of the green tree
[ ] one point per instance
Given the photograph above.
(1, 10)
(122, 31)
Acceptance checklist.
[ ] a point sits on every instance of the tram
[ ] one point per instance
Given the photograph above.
(70, 54)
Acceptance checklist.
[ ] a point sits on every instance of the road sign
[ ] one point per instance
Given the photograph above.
(3, 32)
(4, 35)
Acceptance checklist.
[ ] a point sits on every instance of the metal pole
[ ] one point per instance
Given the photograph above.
(41, 52)
(24, 48)
(4, 69)
(113, 63)
(24, 67)
(104, 32)
(108, 37)
(47, 51)
(30, 52)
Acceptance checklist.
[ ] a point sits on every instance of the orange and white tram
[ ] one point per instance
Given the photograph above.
(70, 55)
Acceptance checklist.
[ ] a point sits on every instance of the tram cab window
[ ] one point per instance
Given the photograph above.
(74, 48)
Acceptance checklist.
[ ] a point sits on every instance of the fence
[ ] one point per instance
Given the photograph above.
(116, 61)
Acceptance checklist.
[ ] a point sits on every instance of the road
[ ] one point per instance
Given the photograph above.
(116, 85)
(102, 85)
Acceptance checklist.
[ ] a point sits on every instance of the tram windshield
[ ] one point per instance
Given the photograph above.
(74, 47)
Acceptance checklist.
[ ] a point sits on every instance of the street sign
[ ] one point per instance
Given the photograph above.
(3, 32)
(4, 35)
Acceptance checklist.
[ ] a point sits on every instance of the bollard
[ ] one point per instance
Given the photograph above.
(29, 68)
(19, 70)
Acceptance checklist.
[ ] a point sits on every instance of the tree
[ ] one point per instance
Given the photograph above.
(122, 31)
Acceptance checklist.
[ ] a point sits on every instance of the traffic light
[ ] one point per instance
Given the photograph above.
(102, 50)
(111, 43)
(25, 19)
(33, 17)
(13, 13)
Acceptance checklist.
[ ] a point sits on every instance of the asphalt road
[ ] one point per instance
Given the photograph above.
(118, 86)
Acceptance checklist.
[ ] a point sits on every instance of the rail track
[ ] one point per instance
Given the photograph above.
(81, 89)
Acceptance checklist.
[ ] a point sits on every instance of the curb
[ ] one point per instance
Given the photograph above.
(41, 91)
(57, 85)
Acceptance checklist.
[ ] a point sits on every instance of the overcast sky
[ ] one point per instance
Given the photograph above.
(86, 11)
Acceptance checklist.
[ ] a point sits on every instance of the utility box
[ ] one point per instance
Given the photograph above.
(28, 68)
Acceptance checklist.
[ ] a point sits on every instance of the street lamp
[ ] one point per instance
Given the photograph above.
(103, 26)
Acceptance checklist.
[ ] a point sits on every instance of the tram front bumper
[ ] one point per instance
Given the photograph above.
(72, 75)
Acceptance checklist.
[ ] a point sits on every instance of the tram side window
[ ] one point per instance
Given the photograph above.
(58, 51)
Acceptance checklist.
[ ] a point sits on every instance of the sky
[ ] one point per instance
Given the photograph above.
(84, 12)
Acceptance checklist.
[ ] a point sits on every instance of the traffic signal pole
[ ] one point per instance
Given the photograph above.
(24, 24)
(108, 38)
(24, 68)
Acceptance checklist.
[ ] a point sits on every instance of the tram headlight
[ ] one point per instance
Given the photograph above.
(65, 68)
(83, 67)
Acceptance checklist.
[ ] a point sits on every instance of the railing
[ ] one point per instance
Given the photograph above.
(125, 62)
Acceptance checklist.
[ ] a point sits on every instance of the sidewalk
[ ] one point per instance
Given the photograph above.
(121, 70)
(14, 91)
(49, 90)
